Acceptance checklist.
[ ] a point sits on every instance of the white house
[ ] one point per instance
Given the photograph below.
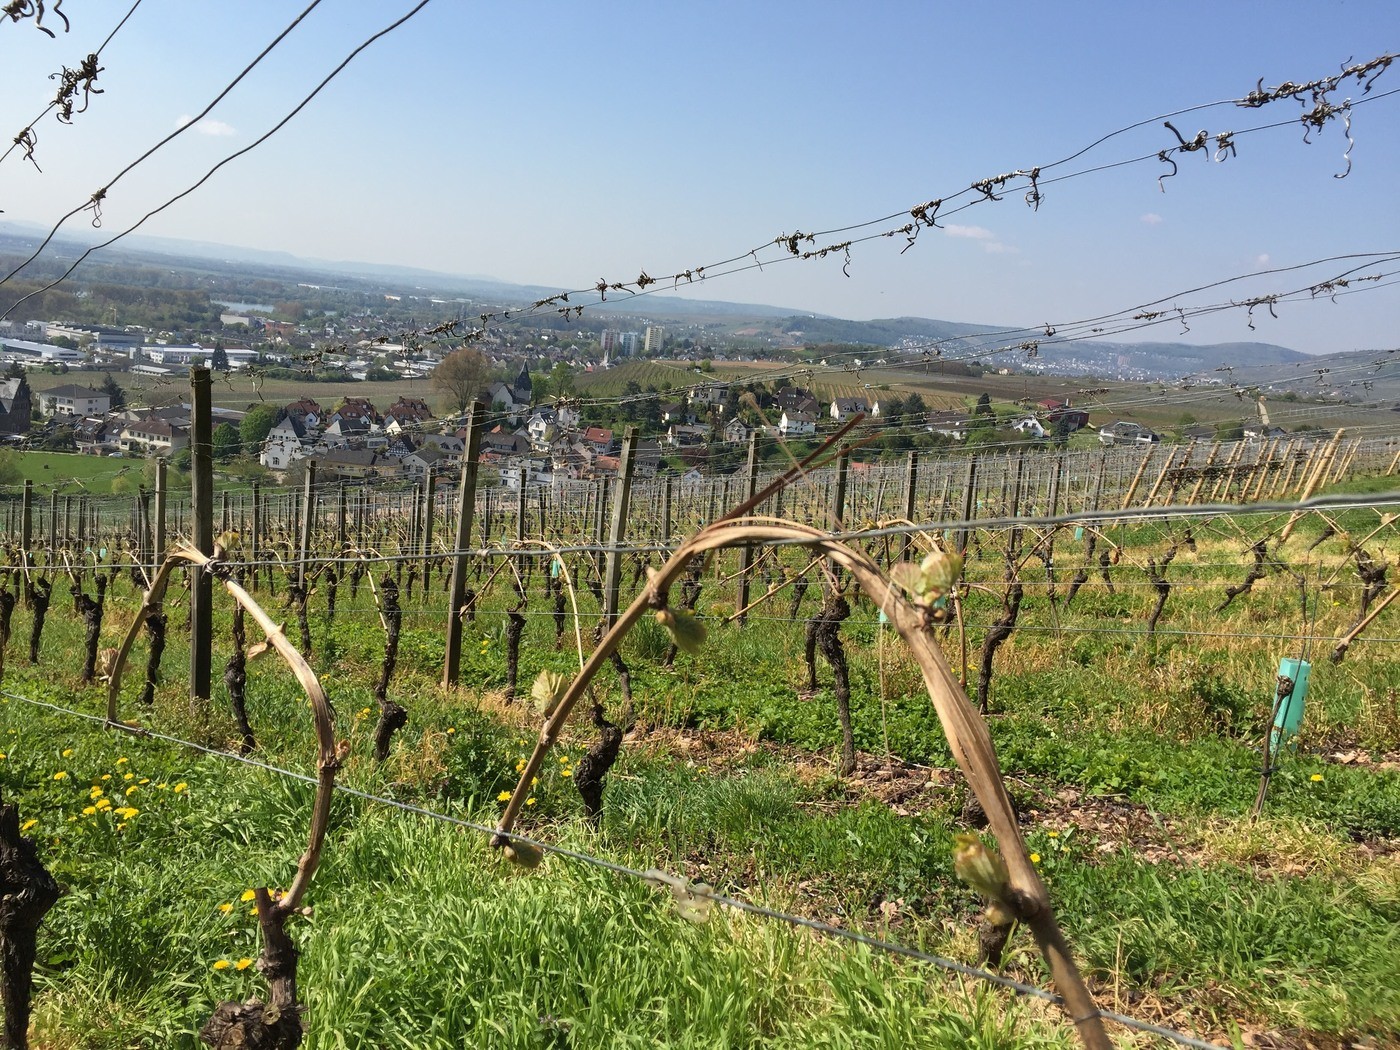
(797, 424)
(74, 400)
(843, 408)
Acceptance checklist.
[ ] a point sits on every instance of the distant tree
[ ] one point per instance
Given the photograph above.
(460, 376)
(14, 370)
(255, 426)
(182, 459)
(60, 439)
(10, 471)
(915, 409)
(892, 409)
(218, 360)
(226, 442)
(984, 405)
(114, 390)
(540, 389)
(561, 380)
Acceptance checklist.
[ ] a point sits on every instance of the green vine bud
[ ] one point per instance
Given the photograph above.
(692, 908)
(523, 853)
(998, 914)
(685, 630)
(979, 867)
(931, 580)
(548, 690)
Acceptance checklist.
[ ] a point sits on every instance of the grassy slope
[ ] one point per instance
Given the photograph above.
(1132, 763)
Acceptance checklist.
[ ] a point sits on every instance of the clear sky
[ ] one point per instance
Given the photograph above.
(556, 144)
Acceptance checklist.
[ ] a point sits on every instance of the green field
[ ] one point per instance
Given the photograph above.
(69, 473)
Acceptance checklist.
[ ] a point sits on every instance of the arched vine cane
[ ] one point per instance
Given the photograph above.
(276, 1024)
(967, 733)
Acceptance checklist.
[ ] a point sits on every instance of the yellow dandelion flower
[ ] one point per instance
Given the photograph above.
(1052, 834)
(96, 792)
(121, 827)
(121, 761)
(1035, 858)
(246, 895)
(28, 824)
(451, 729)
(89, 811)
(566, 772)
(67, 752)
(504, 796)
(61, 775)
(126, 812)
(2, 756)
(104, 803)
(519, 767)
(162, 786)
(180, 787)
(529, 802)
(222, 964)
(1316, 778)
(534, 781)
(131, 791)
(225, 908)
(105, 776)
(252, 911)
(243, 964)
(129, 776)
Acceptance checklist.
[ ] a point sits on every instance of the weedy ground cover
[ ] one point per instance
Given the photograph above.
(1134, 762)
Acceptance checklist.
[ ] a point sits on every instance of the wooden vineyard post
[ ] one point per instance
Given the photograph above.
(53, 523)
(911, 481)
(202, 512)
(1255, 488)
(1311, 486)
(837, 510)
(255, 531)
(617, 529)
(1203, 473)
(429, 493)
(1015, 544)
(466, 508)
(1345, 465)
(1137, 479)
(308, 510)
(1161, 477)
(26, 522)
(340, 509)
(1282, 467)
(969, 504)
(666, 488)
(746, 553)
(158, 540)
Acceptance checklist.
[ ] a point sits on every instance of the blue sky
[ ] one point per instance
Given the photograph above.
(557, 144)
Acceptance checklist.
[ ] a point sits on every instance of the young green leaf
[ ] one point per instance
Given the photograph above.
(548, 690)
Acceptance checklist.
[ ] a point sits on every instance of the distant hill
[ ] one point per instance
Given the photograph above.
(769, 325)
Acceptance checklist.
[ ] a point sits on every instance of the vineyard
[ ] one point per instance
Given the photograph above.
(986, 750)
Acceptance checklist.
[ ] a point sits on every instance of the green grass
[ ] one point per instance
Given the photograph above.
(422, 936)
(71, 474)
